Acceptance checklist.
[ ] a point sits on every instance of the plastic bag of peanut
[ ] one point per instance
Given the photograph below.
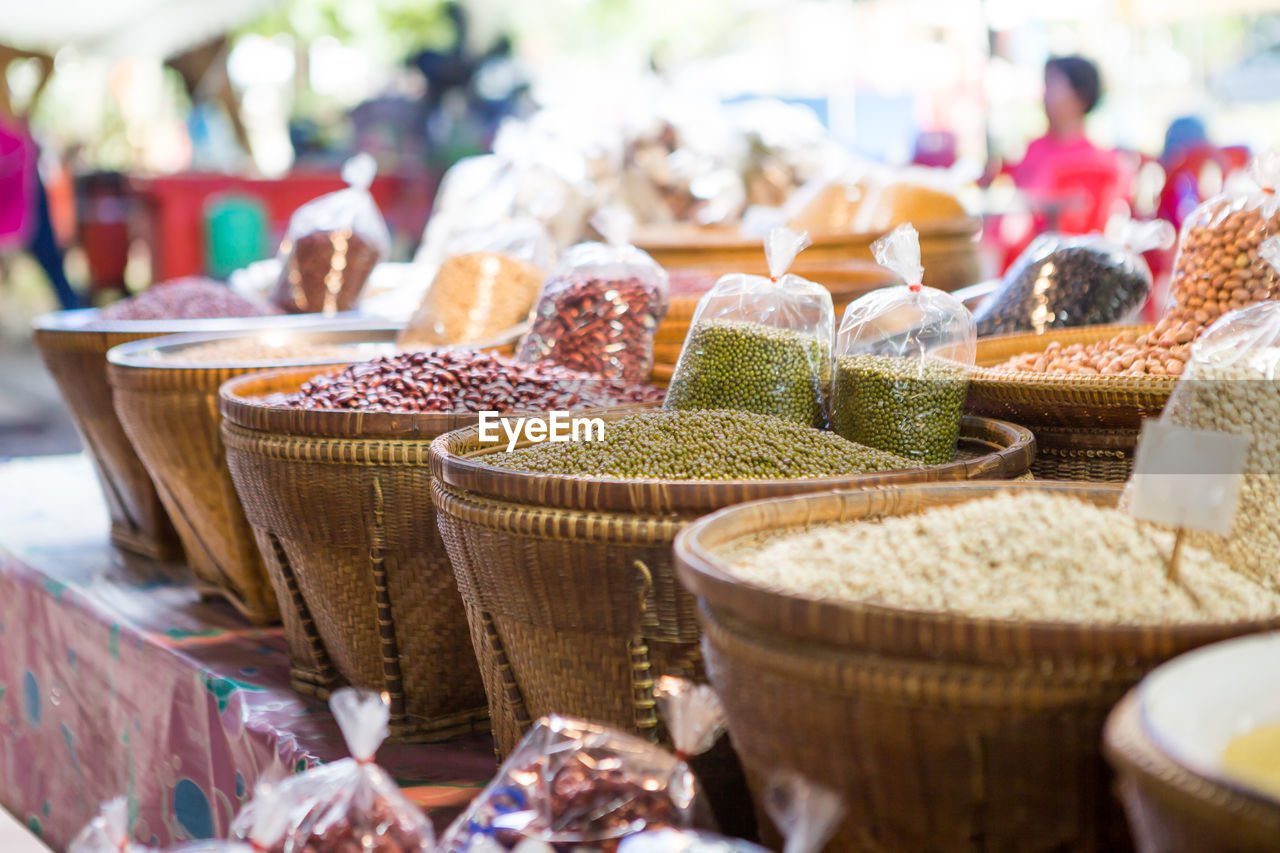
(1218, 268)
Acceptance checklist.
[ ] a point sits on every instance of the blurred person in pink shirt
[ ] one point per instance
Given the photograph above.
(1072, 87)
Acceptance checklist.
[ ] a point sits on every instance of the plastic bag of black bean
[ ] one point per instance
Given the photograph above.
(1061, 281)
(600, 308)
(903, 356)
(760, 343)
(332, 245)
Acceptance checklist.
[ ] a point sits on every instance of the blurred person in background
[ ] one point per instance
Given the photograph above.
(25, 222)
(1185, 134)
(1072, 88)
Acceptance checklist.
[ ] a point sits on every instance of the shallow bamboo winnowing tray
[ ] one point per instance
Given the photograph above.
(1061, 400)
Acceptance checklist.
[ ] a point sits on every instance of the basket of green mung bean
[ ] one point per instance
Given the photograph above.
(562, 550)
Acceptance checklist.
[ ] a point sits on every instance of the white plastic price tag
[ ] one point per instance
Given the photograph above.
(1187, 478)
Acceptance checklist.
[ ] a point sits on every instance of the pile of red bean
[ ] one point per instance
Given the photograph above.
(460, 381)
(192, 298)
(597, 325)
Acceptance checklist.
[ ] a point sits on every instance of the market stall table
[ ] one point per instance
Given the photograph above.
(117, 679)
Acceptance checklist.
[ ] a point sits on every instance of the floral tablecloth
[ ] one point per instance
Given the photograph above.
(117, 679)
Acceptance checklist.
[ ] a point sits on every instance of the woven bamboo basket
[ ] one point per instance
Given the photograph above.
(569, 584)
(169, 410)
(942, 732)
(340, 506)
(1086, 426)
(947, 248)
(76, 356)
(1174, 810)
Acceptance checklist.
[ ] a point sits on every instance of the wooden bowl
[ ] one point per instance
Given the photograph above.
(942, 732)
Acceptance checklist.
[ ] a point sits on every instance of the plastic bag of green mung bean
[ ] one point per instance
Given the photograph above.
(903, 356)
(760, 344)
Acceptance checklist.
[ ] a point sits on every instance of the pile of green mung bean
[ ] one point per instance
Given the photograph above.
(702, 445)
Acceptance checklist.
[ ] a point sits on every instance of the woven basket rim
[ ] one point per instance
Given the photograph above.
(76, 319)
(806, 618)
(240, 403)
(693, 237)
(149, 353)
(463, 472)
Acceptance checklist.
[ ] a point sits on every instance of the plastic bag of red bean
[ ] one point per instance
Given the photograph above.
(264, 822)
(600, 308)
(574, 785)
(349, 805)
(332, 245)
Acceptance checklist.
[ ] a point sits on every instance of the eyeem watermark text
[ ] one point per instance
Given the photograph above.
(556, 426)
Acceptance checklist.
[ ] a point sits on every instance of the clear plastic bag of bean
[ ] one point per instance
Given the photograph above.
(107, 832)
(486, 286)
(903, 357)
(1061, 281)
(760, 343)
(574, 785)
(1231, 384)
(1218, 267)
(351, 803)
(599, 310)
(332, 245)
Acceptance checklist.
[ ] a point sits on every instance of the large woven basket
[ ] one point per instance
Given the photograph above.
(847, 280)
(169, 410)
(569, 583)
(1086, 426)
(947, 249)
(1174, 810)
(76, 356)
(942, 732)
(340, 505)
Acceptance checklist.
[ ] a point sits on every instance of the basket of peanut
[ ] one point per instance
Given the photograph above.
(1084, 392)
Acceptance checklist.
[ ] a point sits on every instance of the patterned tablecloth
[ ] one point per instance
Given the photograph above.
(117, 679)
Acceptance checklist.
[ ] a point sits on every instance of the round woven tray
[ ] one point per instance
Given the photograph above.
(937, 729)
(1086, 426)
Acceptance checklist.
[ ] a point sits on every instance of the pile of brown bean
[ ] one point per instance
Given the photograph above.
(459, 381)
(193, 298)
